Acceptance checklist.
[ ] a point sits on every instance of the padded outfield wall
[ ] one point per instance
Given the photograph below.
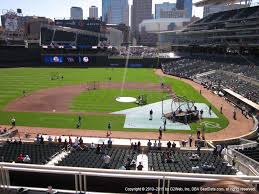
(34, 57)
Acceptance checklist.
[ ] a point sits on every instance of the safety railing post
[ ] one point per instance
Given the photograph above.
(7, 178)
(168, 186)
(76, 183)
(163, 190)
(158, 186)
(85, 186)
(80, 182)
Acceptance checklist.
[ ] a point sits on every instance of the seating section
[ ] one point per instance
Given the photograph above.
(183, 164)
(251, 152)
(90, 159)
(228, 75)
(232, 82)
(239, 23)
(38, 153)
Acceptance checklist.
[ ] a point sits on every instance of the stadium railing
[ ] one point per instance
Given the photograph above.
(245, 143)
(244, 163)
(251, 134)
(81, 177)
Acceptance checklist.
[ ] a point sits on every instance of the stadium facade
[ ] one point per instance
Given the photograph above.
(229, 31)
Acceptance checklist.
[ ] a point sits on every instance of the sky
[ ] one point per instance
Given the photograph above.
(61, 8)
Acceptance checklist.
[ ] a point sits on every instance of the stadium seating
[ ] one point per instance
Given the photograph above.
(251, 152)
(46, 36)
(182, 163)
(190, 67)
(39, 153)
(232, 82)
(83, 40)
(222, 28)
(64, 36)
(90, 159)
(119, 156)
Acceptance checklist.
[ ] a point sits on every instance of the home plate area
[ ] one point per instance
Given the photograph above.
(139, 117)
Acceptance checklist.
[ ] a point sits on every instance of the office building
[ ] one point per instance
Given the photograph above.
(166, 6)
(115, 11)
(93, 12)
(76, 13)
(185, 5)
(188, 8)
(140, 11)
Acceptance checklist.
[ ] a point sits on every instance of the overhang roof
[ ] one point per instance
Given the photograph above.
(214, 2)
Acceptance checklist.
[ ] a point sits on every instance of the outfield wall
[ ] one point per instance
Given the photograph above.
(85, 60)
(35, 57)
(19, 56)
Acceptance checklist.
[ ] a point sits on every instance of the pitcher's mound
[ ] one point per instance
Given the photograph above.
(126, 99)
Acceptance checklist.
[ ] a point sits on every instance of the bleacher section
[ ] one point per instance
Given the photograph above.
(64, 36)
(90, 159)
(234, 27)
(232, 82)
(182, 163)
(61, 37)
(235, 76)
(83, 40)
(39, 153)
(119, 157)
(182, 172)
(47, 35)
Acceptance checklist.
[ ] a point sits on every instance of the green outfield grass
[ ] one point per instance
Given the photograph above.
(14, 80)
(103, 100)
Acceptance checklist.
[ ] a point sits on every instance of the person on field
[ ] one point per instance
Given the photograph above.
(160, 133)
(235, 114)
(201, 113)
(150, 114)
(164, 123)
(79, 122)
(109, 127)
(149, 144)
(13, 122)
(190, 140)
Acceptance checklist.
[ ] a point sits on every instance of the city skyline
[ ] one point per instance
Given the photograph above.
(61, 8)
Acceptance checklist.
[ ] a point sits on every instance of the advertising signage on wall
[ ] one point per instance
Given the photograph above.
(136, 65)
(67, 59)
(53, 59)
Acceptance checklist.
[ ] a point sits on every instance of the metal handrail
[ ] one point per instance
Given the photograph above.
(112, 172)
(245, 159)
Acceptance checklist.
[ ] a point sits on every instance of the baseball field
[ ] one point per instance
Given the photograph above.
(19, 86)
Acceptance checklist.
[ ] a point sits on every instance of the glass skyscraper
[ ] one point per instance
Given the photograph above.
(185, 5)
(115, 11)
(188, 8)
(166, 6)
(140, 10)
